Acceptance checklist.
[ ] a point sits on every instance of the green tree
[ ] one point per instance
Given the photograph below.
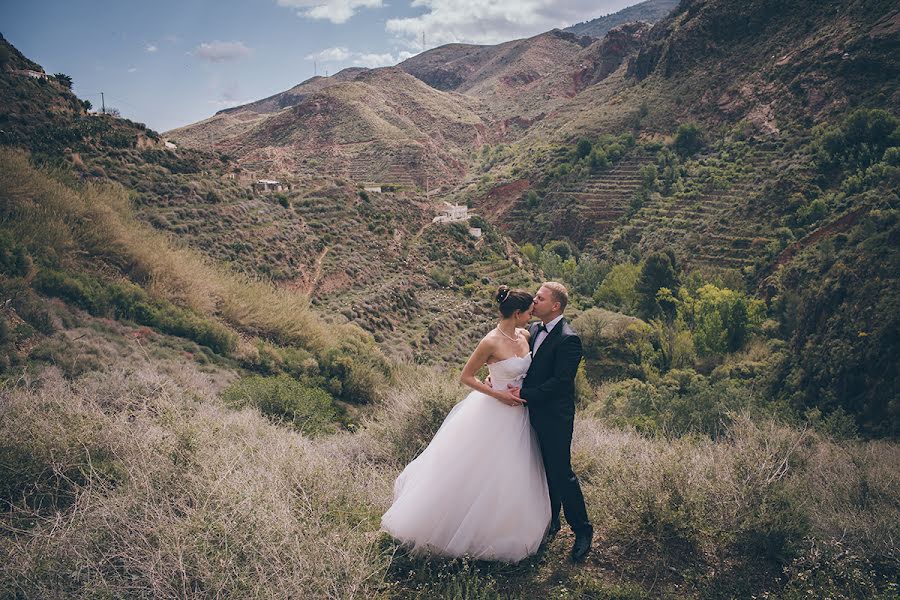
(618, 288)
(583, 148)
(658, 271)
(561, 248)
(649, 175)
(860, 141)
(688, 139)
(599, 160)
(531, 252)
(64, 80)
(589, 275)
(721, 319)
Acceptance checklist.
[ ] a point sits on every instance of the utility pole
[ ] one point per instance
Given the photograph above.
(315, 69)
(102, 103)
(423, 41)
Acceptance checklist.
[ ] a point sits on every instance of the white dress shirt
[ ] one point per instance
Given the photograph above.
(542, 335)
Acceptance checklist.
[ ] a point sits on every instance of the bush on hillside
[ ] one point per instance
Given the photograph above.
(125, 300)
(860, 141)
(659, 270)
(688, 139)
(617, 290)
(285, 400)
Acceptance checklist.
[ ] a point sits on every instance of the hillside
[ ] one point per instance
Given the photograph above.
(649, 11)
(208, 390)
(233, 122)
(370, 128)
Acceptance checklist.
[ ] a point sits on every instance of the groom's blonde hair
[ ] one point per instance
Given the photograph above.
(559, 292)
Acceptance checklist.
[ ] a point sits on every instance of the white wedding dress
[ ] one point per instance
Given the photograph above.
(479, 487)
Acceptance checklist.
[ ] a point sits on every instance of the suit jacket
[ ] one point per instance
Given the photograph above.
(549, 386)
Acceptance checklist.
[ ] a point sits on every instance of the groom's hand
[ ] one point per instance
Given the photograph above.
(510, 397)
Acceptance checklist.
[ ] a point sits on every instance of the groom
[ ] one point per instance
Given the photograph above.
(549, 390)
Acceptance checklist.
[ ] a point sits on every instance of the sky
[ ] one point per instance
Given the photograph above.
(169, 63)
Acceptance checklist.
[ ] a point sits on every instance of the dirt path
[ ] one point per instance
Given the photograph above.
(318, 272)
(306, 285)
(825, 231)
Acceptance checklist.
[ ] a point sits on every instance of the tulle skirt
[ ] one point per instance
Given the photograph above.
(478, 489)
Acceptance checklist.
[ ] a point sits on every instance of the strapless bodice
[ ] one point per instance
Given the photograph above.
(510, 371)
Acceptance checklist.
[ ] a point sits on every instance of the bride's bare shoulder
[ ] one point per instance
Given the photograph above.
(489, 339)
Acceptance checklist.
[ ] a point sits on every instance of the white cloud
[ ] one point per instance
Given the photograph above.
(150, 48)
(336, 11)
(225, 103)
(132, 70)
(370, 60)
(222, 51)
(374, 60)
(337, 54)
(482, 22)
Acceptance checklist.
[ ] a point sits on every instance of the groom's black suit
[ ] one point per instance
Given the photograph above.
(549, 389)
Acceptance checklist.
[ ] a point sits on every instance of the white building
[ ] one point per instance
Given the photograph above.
(451, 213)
(268, 185)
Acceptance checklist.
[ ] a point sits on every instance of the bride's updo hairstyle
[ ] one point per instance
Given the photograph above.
(512, 300)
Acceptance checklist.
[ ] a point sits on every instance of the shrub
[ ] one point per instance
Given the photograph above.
(590, 326)
(599, 160)
(721, 319)
(225, 503)
(127, 301)
(830, 570)
(412, 412)
(284, 399)
(583, 148)
(440, 277)
(63, 80)
(618, 288)
(688, 139)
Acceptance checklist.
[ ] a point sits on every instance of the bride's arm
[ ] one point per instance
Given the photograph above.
(479, 357)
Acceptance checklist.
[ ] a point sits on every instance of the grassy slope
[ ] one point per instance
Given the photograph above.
(146, 462)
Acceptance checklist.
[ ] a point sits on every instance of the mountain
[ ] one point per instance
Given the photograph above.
(366, 125)
(236, 121)
(374, 125)
(649, 11)
(229, 380)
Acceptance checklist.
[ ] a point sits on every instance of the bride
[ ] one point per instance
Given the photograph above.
(479, 488)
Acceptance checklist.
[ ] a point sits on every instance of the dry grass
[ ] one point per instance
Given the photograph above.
(172, 494)
(192, 500)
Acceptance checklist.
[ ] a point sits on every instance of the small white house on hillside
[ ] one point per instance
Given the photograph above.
(451, 213)
(268, 185)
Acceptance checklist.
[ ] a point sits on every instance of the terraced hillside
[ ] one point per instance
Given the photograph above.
(713, 220)
(600, 201)
(402, 167)
(583, 206)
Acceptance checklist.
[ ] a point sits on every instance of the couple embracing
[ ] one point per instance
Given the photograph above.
(491, 483)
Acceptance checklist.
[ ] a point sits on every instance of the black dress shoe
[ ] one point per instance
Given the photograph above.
(582, 544)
